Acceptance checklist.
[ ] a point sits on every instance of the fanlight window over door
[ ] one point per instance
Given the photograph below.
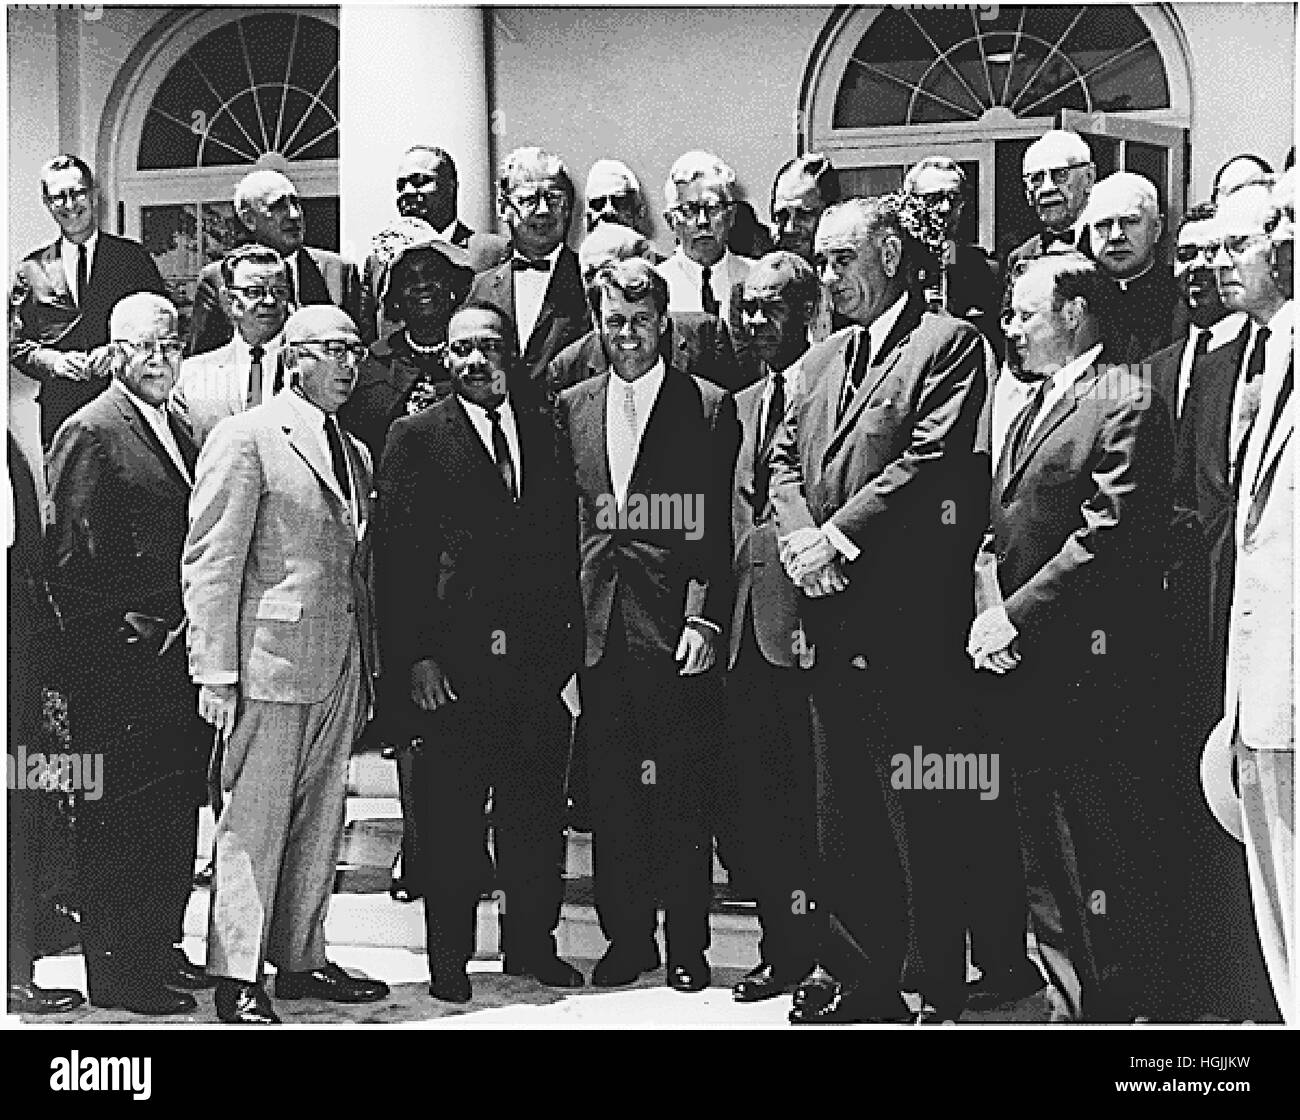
(927, 66)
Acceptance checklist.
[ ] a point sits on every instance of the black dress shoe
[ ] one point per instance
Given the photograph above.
(816, 989)
(178, 971)
(451, 985)
(853, 1005)
(146, 998)
(624, 966)
(29, 999)
(551, 971)
(329, 982)
(241, 1002)
(203, 876)
(993, 989)
(691, 975)
(760, 983)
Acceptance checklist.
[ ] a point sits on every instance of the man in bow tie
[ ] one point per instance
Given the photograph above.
(1058, 175)
(540, 286)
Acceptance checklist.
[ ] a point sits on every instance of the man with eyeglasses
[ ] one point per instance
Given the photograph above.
(270, 213)
(1259, 709)
(1125, 235)
(276, 579)
(961, 282)
(613, 194)
(540, 286)
(703, 274)
(480, 621)
(250, 367)
(427, 185)
(63, 293)
(120, 473)
(1058, 175)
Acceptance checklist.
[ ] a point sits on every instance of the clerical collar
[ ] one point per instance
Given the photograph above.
(1129, 280)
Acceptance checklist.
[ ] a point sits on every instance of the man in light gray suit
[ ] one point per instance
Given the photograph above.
(276, 588)
(249, 368)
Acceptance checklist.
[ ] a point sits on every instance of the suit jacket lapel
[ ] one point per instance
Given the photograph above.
(145, 434)
(503, 288)
(52, 264)
(473, 449)
(653, 439)
(590, 423)
(1045, 425)
(312, 288)
(557, 297)
(303, 440)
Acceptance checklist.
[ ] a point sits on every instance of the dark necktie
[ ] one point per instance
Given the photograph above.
(763, 461)
(337, 458)
(1250, 397)
(279, 373)
(255, 376)
(1202, 346)
(293, 282)
(856, 372)
(775, 410)
(523, 264)
(501, 453)
(707, 299)
(1284, 393)
(1021, 437)
(1064, 238)
(83, 275)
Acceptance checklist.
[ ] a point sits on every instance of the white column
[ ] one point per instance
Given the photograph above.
(410, 75)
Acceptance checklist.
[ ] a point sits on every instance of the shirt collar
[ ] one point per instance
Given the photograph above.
(1069, 373)
(90, 243)
(552, 256)
(879, 330)
(476, 410)
(644, 387)
(1280, 324)
(695, 269)
(1129, 281)
(269, 348)
(156, 412)
(310, 414)
(1226, 329)
(446, 234)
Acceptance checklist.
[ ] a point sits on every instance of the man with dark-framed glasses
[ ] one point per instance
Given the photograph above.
(539, 286)
(276, 582)
(1058, 174)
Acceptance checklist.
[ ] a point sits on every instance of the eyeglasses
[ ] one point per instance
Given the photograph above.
(1060, 175)
(170, 348)
(624, 200)
(771, 308)
(527, 202)
(343, 352)
(1238, 243)
(489, 347)
(417, 180)
(693, 211)
(933, 198)
(256, 293)
(68, 197)
(1188, 254)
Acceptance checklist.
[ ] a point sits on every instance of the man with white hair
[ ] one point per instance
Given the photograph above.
(268, 208)
(1124, 230)
(1058, 175)
(120, 471)
(1260, 699)
(702, 274)
(613, 194)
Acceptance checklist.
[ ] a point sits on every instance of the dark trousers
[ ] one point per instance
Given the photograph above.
(136, 859)
(766, 815)
(862, 883)
(513, 745)
(23, 810)
(651, 736)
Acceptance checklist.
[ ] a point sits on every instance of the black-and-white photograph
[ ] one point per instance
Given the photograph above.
(652, 517)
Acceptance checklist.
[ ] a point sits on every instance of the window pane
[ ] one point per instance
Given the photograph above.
(862, 182)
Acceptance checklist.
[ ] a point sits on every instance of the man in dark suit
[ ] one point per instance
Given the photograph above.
(120, 472)
(539, 287)
(765, 803)
(427, 186)
(267, 206)
(63, 294)
(1058, 174)
(1124, 229)
(480, 619)
(697, 343)
(652, 450)
(876, 491)
(1068, 616)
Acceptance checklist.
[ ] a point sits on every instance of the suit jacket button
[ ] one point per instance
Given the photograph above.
(351, 608)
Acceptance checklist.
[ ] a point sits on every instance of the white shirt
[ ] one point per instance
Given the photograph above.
(621, 445)
(291, 266)
(1277, 356)
(1010, 395)
(314, 419)
(1223, 332)
(68, 253)
(1062, 381)
(530, 292)
(244, 363)
(478, 416)
(445, 234)
(156, 417)
(877, 333)
(685, 280)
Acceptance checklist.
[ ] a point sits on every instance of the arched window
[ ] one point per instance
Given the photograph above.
(214, 94)
(887, 86)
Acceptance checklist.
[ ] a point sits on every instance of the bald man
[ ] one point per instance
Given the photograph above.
(1124, 229)
(270, 212)
(1058, 175)
(120, 471)
(276, 584)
